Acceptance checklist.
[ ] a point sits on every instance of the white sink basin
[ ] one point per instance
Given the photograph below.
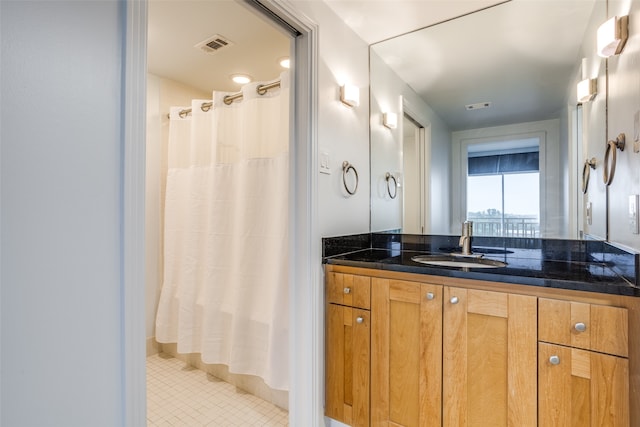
(458, 261)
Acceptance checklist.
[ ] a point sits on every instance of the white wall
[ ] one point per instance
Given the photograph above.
(343, 132)
(609, 114)
(61, 196)
(390, 93)
(386, 144)
(623, 103)
(594, 128)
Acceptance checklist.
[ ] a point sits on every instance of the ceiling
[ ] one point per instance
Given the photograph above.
(527, 64)
(518, 56)
(175, 26)
(377, 20)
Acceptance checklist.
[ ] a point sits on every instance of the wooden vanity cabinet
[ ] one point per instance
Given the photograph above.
(406, 357)
(490, 353)
(583, 364)
(347, 349)
(484, 344)
(403, 351)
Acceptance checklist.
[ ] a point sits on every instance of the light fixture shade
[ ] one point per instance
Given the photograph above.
(350, 95)
(390, 120)
(612, 36)
(587, 90)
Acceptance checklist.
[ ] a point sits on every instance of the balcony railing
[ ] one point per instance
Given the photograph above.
(507, 227)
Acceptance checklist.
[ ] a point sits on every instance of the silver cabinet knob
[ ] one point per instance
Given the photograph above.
(430, 295)
(359, 319)
(580, 327)
(554, 360)
(454, 300)
(347, 290)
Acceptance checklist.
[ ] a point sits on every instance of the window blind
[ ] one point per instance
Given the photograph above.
(497, 164)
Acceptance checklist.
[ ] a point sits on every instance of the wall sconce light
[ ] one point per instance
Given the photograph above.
(612, 36)
(390, 120)
(587, 88)
(350, 95)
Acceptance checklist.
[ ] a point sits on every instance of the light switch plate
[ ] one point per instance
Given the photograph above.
(325, 165)
(633, 214)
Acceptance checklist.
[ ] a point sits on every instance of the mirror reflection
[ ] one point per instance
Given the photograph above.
(488, 128)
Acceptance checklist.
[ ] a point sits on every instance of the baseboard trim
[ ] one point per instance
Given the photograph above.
(153, 347)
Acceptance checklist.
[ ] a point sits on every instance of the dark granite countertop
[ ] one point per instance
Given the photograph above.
(563, 264)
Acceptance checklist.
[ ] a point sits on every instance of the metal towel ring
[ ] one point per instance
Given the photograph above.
(388, 178)
(588, 165)
(612, 146)
(346, 167)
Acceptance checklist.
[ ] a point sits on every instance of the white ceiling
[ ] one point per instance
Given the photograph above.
(175, 26)
(519, 56)
(377, 20)
(448, 64)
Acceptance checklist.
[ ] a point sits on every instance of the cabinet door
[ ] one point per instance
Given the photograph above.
(489, 359)
(580, 388)
(406, 359)
(347, 364)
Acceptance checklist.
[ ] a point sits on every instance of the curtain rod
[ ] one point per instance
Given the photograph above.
(206, 106)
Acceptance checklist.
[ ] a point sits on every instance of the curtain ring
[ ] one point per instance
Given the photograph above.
(260, 90)
(346, 167)
(588, 165)
(612, 146)
(388, 177)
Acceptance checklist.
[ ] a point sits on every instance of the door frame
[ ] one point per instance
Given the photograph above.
(424, 140)
(305, 292)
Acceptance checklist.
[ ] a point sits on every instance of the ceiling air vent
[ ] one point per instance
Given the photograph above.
(214, 44)
(478, 106)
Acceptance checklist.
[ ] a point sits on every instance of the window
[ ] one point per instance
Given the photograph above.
(503, 190)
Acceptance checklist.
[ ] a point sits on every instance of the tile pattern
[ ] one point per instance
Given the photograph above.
(180, 395)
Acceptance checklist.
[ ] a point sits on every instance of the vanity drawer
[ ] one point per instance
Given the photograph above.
(349, 289)
(587, 326)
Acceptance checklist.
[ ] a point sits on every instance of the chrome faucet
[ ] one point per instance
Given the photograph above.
(465, 239)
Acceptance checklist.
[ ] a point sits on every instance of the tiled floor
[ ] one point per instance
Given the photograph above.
(179, 395)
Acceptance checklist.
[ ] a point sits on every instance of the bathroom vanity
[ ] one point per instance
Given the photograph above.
(544, 340)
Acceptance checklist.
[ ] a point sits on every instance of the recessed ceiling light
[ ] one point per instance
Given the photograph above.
(241, 78)
(284, 62)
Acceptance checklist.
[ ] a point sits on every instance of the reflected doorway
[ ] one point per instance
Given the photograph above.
(415, 179)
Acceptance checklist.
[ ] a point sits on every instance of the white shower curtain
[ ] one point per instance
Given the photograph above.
(225, 291)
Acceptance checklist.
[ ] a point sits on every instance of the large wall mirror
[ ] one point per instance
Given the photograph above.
(487, 126)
